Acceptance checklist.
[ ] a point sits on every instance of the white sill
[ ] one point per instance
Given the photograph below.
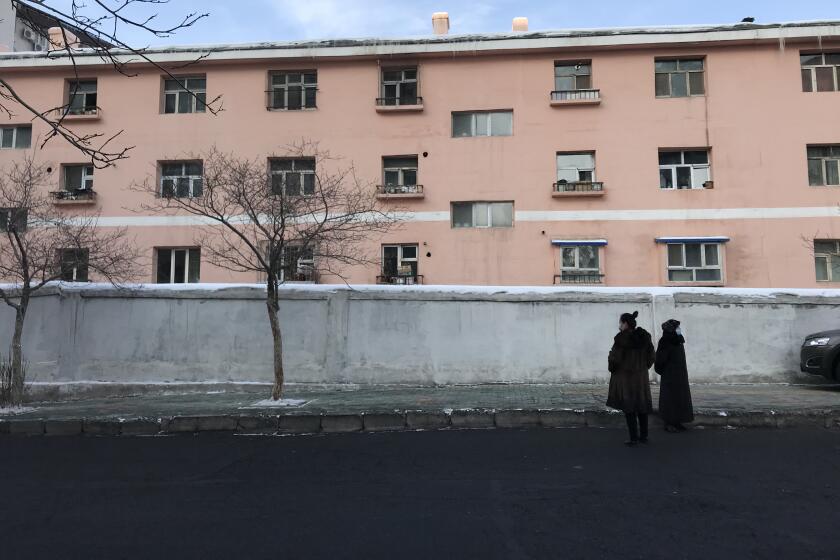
(282, 110)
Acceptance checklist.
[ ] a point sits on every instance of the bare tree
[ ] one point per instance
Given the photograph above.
(102, 24)
(41, 243)
(294, 217)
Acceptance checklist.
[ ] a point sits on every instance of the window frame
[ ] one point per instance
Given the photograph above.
(398, 98)
(400, 170)
(577, 267)
(75, 266)
(15, 136)
(687, 73)
(188, 251)
(401, 258)
(828, 257)
(812, 72)
(197, 96)
(305, 87)
(301, 263)
(578, 170)
(824, 163)
(474, 123)
(87, 108)
(475, 210)
(693, 269)
(575, 76)
(193, 179)
(20, 215)
(87, 175)
(283, 173)
(673, 168)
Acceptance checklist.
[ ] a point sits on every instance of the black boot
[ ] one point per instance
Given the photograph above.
(632, 427)
(643, 428)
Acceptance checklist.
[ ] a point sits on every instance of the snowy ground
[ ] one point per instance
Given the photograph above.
(11, 411)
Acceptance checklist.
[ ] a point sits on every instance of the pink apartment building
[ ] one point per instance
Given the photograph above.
(625, 157)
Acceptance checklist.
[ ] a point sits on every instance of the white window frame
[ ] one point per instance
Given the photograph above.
(401, 171)
(401, 258)
(192, 179)
(487, 206)
(812, 70)
(576, 64)
(302, 265)
(86, 180)
(577, 170)
(284, 173)
(703, 265)
(172, 252)
(824, 165)
(577, 267)
(278, 89)
(197, 96)
(474, 120)
(829, 258)
(687, 73)
(399, 83)
(695, 168)
(15, 133)
(72, 93)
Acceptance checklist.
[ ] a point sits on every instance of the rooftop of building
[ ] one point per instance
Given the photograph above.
(564, 39)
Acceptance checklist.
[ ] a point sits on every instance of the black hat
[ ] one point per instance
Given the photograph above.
(629, 318)
(671, 325)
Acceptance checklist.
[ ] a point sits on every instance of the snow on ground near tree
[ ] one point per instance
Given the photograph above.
(455, 289)
(282, 403)
(11, 411)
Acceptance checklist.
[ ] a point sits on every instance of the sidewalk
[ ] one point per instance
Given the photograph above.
(377, 408)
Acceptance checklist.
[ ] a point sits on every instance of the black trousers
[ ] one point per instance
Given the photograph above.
(637, 424)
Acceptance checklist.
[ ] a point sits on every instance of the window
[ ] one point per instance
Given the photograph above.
(820, 71)
(78, 177)
(580, 264)
(482, 123)
(400, 171)
(81, 97)
(399, 264)
(178, 266)
(680, 78)
(827, 260)
(181, 179)
(399, 86)
(297, 264)
(292, 176)
(572, 76)
(823, 165)
(293, 91)
(482, 214)
(13, 219)
(694, 262)
(19, 137)
(73, 264)
(185, 94)
(575, 167)
(683, 169)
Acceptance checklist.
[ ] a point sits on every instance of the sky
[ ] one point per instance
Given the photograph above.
(242, 21)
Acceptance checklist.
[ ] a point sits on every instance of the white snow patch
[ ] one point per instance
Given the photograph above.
(723, 413)
(282, 403)
(12, 410)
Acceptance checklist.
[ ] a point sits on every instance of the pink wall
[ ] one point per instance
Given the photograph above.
(754, 117)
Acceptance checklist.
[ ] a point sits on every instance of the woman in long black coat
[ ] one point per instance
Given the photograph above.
(675, 406)
(630, 359)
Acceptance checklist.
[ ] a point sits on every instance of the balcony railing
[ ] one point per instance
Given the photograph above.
(569, 277)
(80, 113)
(400, 279)
(399, 191)
(576, 96)
(397, 101)
(578, 188)
(74, 196)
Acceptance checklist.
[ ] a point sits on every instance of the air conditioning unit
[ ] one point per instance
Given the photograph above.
(29, 34)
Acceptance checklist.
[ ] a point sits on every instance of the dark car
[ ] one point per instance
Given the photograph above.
(820, 354)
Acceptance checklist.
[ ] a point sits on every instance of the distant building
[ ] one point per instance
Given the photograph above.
(24, 28)
(675, 156)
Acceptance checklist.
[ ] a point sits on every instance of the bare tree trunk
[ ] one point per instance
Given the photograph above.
(273, 305)
(17, 373)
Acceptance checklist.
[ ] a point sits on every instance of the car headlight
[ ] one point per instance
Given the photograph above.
(817, 342)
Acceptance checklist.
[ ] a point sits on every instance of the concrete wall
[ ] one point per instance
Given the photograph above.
(423, 335)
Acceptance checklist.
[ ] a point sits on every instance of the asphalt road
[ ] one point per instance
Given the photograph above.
(458, 494)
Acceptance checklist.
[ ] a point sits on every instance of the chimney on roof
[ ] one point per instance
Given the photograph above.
(520, 24)
(57, 39)
(440, 23)
(748, 20)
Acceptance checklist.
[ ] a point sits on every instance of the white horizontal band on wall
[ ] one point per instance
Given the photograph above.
(541, 216)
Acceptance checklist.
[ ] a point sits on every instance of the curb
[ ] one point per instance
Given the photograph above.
(413, 420)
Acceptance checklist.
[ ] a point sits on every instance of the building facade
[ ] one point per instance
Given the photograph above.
(637, 157)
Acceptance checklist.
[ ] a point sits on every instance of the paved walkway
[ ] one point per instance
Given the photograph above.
(353, 408)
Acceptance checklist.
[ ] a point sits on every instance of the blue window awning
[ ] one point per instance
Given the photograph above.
(693, 240)
(578, 242)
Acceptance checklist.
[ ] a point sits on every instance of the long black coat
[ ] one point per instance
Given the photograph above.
(630, 359)
(674, 395)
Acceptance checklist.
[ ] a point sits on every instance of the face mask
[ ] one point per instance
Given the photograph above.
(679, 331)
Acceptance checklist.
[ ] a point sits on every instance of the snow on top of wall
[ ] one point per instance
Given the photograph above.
(451, 289)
